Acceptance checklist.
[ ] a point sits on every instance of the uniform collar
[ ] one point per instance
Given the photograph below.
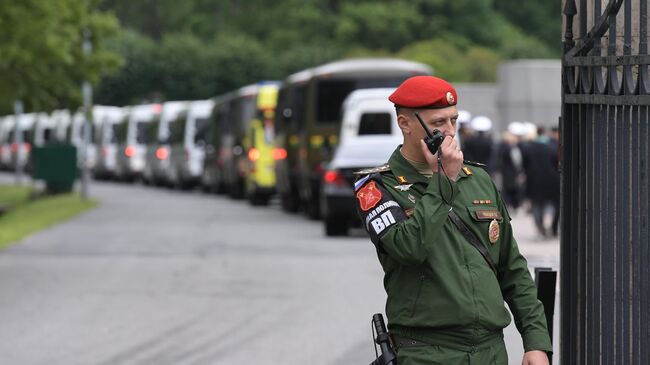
(401, 167)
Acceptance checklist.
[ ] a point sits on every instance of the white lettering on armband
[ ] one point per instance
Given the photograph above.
(379, 209)
(385, 220)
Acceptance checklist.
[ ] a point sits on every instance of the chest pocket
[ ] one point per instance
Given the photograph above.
(483, 216)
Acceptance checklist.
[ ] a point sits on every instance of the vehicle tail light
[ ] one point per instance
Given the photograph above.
(279, 154)
(28, 147)
(334, 177)
(162, 153)
(129, 151)
(254, 154)
(14, 147)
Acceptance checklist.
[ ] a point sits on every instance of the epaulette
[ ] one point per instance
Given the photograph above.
(382, 168)
(475, 164)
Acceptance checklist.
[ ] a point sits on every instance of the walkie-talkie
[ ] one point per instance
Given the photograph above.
(433, 141)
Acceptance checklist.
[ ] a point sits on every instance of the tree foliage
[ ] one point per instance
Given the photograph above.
(200, 48)
(41, 61)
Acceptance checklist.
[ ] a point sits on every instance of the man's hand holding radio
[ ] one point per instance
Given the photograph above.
(452, 157)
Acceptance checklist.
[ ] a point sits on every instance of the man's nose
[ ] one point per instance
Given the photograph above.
(448, 129)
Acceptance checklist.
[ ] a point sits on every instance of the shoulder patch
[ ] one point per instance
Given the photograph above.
(369, 196)
(472, 163)
(377, 208)
(382, 168)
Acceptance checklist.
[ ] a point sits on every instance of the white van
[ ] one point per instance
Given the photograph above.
(19, 153)
(132, 141)
(6, 125)
(188, 136)
(369, 135)
(106, 123)
(156, 169)
(62, 121)
(44, 130)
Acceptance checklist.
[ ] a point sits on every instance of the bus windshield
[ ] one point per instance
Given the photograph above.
(330, 94)
(142, 132)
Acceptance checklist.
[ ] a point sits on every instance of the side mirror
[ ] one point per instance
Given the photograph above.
(287, 113)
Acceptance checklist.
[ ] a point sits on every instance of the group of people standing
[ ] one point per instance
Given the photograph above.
(525, 165)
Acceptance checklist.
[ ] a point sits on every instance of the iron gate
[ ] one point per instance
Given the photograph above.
(605, 255)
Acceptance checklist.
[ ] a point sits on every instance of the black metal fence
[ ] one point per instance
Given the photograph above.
(605, 254)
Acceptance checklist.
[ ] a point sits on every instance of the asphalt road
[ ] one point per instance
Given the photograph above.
(155, 276)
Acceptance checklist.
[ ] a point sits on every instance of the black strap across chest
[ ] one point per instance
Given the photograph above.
(471, 237)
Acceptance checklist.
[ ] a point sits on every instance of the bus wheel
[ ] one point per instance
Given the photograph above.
(312, 209)
(289, 203)
(258, 199)
(336, 227)
(236, 191)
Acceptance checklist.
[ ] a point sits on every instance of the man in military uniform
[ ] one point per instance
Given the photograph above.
(444, 240)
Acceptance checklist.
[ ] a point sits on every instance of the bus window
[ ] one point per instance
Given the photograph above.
(141, 132)
(201, 128)
(120, 130)
(375, 123)
(329, 97)
(379, 82)
(223, 124)
(152, 135)
(177, 129)
(299, 103)
(48, 135)
(245, 112)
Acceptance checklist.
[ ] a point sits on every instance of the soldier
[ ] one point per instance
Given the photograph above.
(444, 240)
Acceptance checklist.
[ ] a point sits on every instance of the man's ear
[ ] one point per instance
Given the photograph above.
(403, 123)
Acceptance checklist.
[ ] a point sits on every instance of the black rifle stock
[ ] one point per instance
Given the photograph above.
(388, 356)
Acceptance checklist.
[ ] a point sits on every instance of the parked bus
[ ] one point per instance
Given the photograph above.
(228, 161)
(309, 120)
(106, 140)
(6, 125)
(62, 121)
(212, 179)
(44, 130)
(188, 135)
(158, 162)
(259, 173)
(20, 152)
(132, 141)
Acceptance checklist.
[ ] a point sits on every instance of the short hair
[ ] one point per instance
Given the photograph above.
(402, 110)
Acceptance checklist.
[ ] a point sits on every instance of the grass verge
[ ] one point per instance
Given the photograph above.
(28, 217)
(13, 195)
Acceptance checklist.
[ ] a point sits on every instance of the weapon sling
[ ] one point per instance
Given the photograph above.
(471, 237)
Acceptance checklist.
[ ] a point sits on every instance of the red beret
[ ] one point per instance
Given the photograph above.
(426, 92)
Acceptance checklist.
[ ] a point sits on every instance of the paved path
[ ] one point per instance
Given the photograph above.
(160, 277)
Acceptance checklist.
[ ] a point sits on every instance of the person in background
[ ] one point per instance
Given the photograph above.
(509, 163)
(542, 179)
(554, 146)
(479, 147)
